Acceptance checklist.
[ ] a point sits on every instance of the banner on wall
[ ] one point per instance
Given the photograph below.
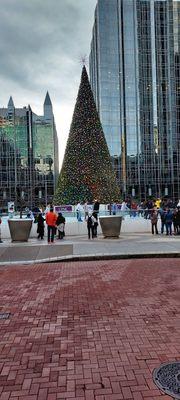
(63, 209)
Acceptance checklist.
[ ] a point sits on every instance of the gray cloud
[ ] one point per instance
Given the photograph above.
(41, 41)
(40, 47)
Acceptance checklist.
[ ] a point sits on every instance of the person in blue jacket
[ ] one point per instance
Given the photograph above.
(168, 221)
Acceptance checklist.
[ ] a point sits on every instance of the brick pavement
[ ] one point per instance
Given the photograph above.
(88, 330)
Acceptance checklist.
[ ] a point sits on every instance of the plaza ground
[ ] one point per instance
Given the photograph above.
(88, 330)
(80, 248)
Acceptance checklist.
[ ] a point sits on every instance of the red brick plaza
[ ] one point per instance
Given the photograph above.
(88, 330)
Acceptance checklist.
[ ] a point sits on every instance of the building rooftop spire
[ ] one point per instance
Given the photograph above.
(10, 102)
(47, 101)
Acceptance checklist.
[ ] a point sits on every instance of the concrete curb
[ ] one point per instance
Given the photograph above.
(95, 257)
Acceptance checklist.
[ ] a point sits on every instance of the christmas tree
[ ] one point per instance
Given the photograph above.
(86, 172)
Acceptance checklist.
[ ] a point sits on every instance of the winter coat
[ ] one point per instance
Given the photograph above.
(162, 215)
(178, 218)
(96, 206)
(40, 226)
(51, 218)
(90, 221)
(154, 217)
(60, 222)
(168, 217)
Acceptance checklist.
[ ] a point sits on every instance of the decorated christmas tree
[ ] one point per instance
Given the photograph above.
(86, 172)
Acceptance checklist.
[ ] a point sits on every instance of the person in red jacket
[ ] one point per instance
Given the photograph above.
(51, 218)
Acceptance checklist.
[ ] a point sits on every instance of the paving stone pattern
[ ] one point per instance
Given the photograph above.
(88, 330)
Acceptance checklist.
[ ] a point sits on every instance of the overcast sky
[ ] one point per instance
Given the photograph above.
(42, 42)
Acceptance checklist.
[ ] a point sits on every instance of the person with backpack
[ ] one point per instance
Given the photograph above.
(90, 226)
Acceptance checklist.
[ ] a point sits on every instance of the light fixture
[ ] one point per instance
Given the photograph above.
(133, 192)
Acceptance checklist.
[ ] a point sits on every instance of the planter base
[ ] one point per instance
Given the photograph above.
(20, 229)
(111, 226)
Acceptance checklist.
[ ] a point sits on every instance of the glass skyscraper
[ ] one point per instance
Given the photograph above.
(28, 155)
(135, 78)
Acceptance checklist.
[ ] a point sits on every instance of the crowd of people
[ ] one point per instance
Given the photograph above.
(90, 216)
(55, 225)
(164, 211)
(170, 218)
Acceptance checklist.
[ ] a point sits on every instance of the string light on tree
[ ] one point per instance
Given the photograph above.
(86, 172)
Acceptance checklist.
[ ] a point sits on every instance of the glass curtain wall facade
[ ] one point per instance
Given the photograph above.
(134, 73)
(28, 157)
(45, 160)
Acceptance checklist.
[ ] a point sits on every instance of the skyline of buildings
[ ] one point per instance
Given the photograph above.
(135, 78)
(29, 165)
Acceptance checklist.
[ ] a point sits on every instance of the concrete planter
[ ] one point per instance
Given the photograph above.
(20, 229)
(111, 226)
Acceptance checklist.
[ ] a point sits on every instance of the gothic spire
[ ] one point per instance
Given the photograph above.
(10, 103)
(47, 101)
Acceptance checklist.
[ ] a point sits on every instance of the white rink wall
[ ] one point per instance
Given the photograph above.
(75, 228)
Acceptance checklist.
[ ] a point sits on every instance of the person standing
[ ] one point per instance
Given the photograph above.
(96, 208)
(60, 222)
(86, 210)
(79, 211)
(40, 226)
(178, 221)
(158, 203)
(154, 220)
(174, 220)
(90, 226)
(0, 230)
(51, 218)
(168, 221)
(95, 224)
(162, 212)
(114, 208)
